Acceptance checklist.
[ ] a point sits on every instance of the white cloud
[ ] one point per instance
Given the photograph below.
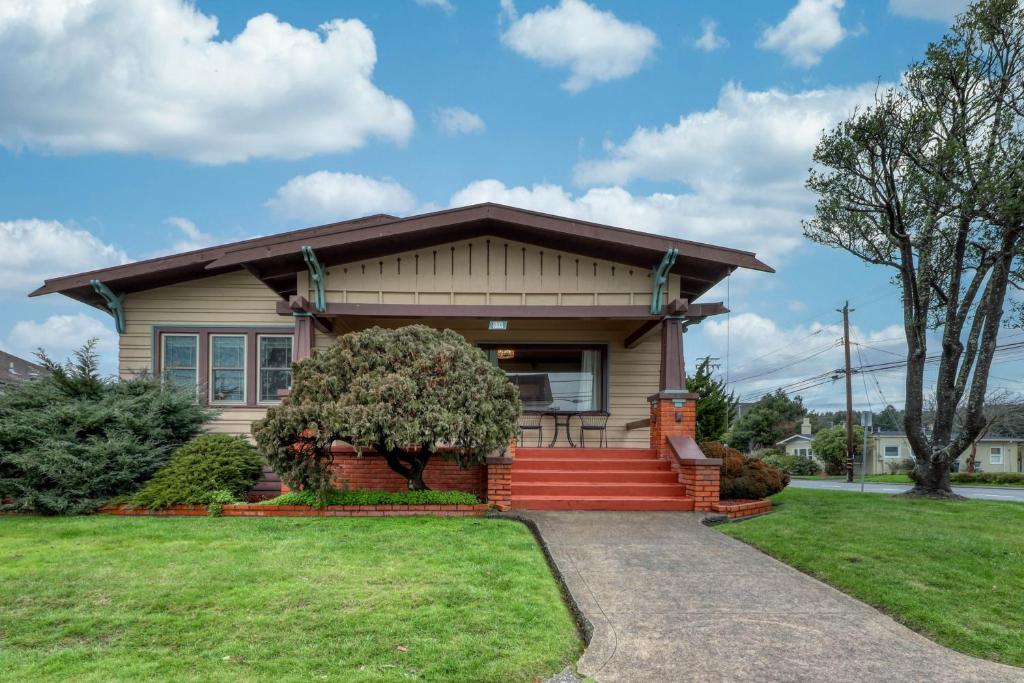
(810, 30)
(60, 335)
(458, 121)
(765, 356)
(32, 250)
(595, 45)
(445, 6)
(744, 163)
(941, 10)
(194, 237)
(326, 196)
(709, 40)
(151, 76)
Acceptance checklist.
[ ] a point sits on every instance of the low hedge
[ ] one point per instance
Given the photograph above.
(799, 465)
(987, 477)
(375, 498)
(212, 468)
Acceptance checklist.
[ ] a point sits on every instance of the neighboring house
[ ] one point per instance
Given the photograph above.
(15, 370)
(564, 306)
(799, 444)
(994, 453)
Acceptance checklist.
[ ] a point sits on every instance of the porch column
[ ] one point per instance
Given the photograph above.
(673, 371)
(302, 345)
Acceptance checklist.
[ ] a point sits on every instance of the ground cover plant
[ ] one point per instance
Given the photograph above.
(362, 497)
(72, 440)
(953, 572)
(400, 392)
(210, 466)
(98, 599)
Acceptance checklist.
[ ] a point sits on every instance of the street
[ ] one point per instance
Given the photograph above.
(1006, 494)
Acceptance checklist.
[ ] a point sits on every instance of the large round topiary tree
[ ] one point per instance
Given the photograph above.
(403, 393)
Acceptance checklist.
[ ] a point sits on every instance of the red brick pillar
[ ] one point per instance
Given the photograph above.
(672, 414)
(499, 477)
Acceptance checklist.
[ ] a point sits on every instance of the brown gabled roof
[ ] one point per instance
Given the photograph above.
(276, 258)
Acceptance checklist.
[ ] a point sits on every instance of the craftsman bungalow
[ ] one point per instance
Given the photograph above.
(587, 319)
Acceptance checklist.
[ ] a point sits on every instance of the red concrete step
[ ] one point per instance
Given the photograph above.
(521, 464)
(663, 476)
(585, 453)
(622, 503)
(590, 490)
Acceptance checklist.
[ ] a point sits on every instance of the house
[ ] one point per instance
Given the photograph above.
(994, 453)
(15, 370)
(798, 444)
(588, 319)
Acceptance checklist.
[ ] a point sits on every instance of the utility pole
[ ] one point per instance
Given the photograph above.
(845, 310)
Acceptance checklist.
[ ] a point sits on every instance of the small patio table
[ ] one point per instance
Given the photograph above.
(562, 418)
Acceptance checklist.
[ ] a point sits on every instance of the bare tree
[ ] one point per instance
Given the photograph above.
(929, 182)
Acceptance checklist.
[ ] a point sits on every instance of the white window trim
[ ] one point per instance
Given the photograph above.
(995, 455)
(245, 369)
(163, 353)
(259, 366)
(885, 452)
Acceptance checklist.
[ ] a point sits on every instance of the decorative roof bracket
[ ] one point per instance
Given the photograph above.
(659, 279)
(113, 302)
(316, 278)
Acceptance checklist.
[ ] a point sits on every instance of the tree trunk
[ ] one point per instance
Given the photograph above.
(931, 480)
(409, 465)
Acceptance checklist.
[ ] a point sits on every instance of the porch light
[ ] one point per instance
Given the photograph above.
(506, 354)
(497, 325)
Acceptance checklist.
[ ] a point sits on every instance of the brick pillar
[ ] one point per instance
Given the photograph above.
(701, 483)
(499, 477)
(672, 414)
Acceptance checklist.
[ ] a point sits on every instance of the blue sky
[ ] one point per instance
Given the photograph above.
(130, 129)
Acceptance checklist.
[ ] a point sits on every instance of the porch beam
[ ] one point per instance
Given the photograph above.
(483, 312)
(298, 306)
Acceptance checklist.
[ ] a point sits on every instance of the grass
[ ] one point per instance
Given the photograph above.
(904, 479)
(405, 599)
(362, 497)
(953, 571)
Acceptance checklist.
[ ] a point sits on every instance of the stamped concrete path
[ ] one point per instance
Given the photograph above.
(670, 599)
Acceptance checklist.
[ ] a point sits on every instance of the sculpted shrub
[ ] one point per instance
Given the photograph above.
(403, 393)
(744, 477)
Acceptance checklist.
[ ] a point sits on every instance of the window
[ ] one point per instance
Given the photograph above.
(227, 368)
(892, 452)
(181, 359)
(802, 452)
(275, 366)
(554, 377)
(995, 455)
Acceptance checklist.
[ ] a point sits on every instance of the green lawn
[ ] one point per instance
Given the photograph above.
(904, 479)
(403, 599)
(953, 571)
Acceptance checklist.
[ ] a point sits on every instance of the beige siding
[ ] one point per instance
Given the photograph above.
(232, 299)
(490, 270)
(1012, 453)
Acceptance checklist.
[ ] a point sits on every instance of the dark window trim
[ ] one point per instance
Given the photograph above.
(251, 359)
(568, 346)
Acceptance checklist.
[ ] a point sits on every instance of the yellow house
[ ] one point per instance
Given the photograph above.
(993, 453)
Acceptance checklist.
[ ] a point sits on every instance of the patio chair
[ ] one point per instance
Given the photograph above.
(530, 420)
(594, 422)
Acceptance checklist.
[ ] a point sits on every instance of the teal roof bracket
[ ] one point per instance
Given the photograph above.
(659, 279)
(113, 302)
(316, 278)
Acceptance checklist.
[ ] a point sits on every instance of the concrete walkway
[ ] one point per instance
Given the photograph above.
(672, 600)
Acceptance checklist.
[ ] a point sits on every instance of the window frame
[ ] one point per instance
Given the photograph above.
(204, 332)
(591, 346)
(885, 452)
(993, 454)
(259, 365)
(245, 369)
(199, 352)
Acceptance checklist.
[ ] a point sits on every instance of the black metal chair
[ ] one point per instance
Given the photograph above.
(594, 422)
(530, 420)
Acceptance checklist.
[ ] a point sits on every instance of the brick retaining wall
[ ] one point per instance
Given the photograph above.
(737, 509)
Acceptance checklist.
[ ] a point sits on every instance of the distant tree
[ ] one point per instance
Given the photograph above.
(715, 406)
(774, 417)
(404, 393)
(928, 182)
(830, 447)
(890, 419)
